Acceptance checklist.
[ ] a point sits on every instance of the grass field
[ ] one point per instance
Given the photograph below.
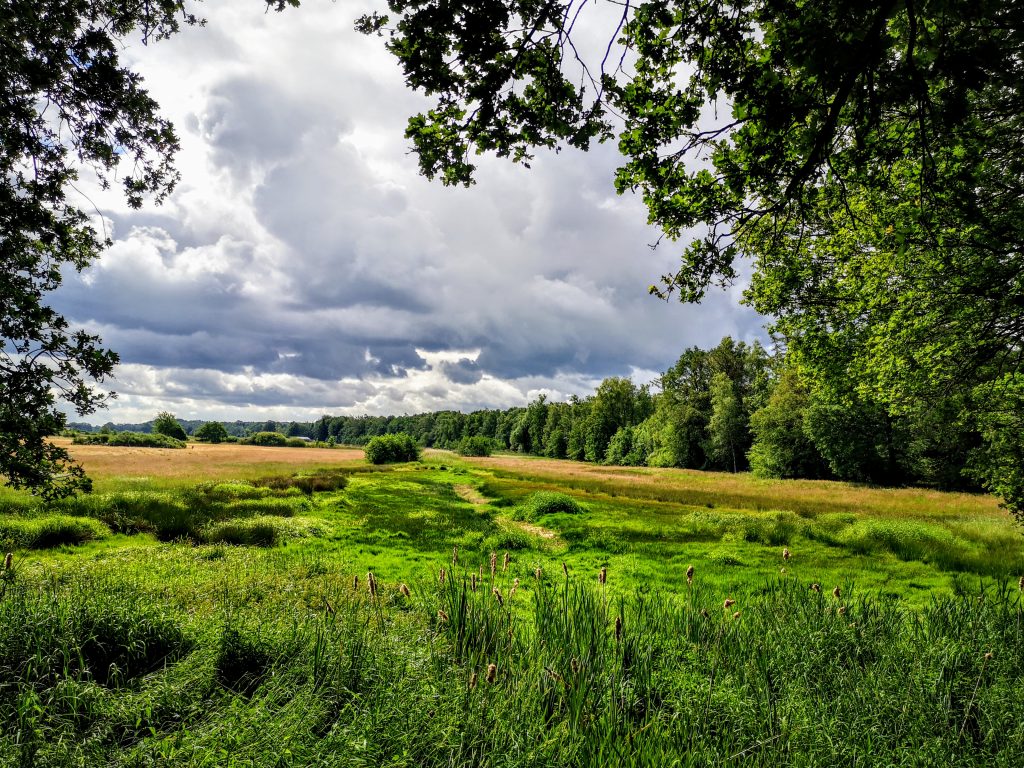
(210, 606)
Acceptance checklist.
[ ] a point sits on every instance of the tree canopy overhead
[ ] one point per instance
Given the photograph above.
(866, 156)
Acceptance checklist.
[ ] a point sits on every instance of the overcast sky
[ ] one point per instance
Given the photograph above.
(304, 267)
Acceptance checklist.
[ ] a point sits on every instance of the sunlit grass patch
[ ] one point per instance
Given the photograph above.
(260, 531)
(543, 503)
(50, 530)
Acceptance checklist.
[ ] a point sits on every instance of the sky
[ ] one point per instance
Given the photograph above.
(303, 266)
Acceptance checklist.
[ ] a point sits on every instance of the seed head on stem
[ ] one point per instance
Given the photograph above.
(786, 554)
(837, 593)
(440, 576)
(602, 576)
(9, 561)
(816, 587)
(504, 562)
(618, 628)
(455, 556)
(492, 673)
(689, 575)
(494, 564)
(404, 589)
(371, 583)
(729, 602)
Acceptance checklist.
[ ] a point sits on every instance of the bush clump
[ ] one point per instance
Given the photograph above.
(388, 449)
(475, 446)
(296, 442)
(548, 503)
(272, 439)
(129, 439)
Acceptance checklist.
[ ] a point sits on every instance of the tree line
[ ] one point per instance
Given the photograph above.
(735, 407)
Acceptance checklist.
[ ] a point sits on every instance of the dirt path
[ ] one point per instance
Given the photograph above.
(470, 494)
(474, 497)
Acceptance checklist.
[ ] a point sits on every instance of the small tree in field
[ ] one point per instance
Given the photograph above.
(212, 432)
(388, 449)
(166, 423)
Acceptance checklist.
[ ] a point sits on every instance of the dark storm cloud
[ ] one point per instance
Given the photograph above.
(464, 371)
(304, 263)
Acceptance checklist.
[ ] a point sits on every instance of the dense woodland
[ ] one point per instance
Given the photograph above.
(735, 407)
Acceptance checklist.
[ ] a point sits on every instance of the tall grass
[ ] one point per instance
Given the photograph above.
(199, 513)
(94, 671)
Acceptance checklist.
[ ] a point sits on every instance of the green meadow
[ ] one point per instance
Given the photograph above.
(522, 612)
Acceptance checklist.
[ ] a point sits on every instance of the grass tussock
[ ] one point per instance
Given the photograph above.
(261, 531)
(46, 531)
(543, 503)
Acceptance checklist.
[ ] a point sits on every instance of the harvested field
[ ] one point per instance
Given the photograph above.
(113, 467)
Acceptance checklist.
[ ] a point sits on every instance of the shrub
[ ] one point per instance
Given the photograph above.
(129, 439)
(296, 442)
(548, 503)
(388, 449)
(475, 446)
(273, 439)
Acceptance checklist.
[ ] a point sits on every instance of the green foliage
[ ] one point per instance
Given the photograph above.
(51, 530)
(167, 424)
(211, 432)
(727, 426)
(387, 449)
(475, 446)
(858, 439)
(548, 503)
(129, 439)
(271, 439)
(296, 442)
(781, 446)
